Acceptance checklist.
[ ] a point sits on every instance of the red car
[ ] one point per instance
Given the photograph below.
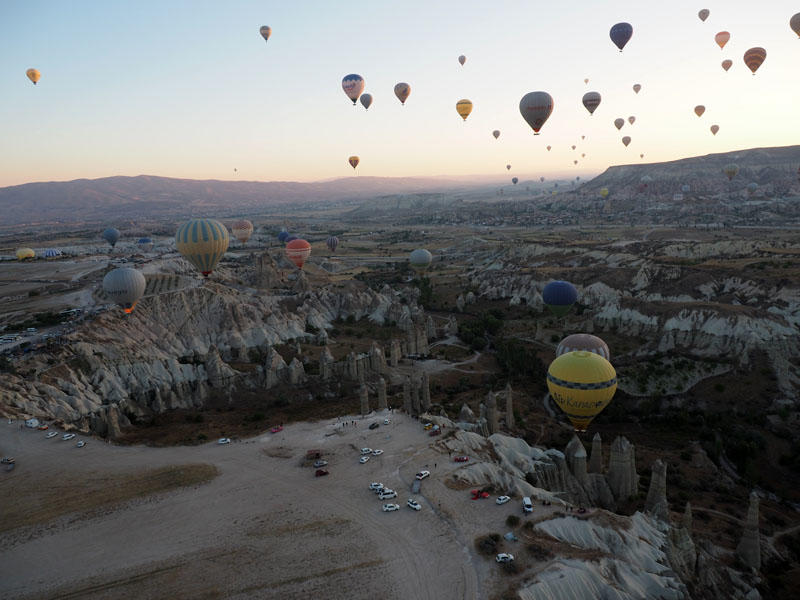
(43, 427)
(476, 494)
(276, 429)
(461, 458)
(320, 473)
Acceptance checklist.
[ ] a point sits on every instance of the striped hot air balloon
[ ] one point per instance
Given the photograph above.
(242, 230)
(582, 384)
(145, 243)
(754, 58)
(591, 100)
(332, 243)
(202, 242)
(584, 342)
(298, 252)
(52, 253)
(124, 286)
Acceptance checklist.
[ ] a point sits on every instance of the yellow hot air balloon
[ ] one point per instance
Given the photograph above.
(582, 384)
(242, 230)
(353, 160)
(463, 108)
(604, 192)
(699, 110)
(202, 242)
(754, 58)
(402, 90)
(23, 253)
(33, 75)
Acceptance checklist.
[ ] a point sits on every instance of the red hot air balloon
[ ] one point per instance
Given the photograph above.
(298, 252)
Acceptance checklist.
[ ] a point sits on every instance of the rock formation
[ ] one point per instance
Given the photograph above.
(395, 353)
(382, 394)
(297, 374)
(407, 406)
(325, 364)
(622, 477)
(575, 454)
(491, 413)
(656, 502)
(680, 549)
(363, 393)
(749, 548)
(274, 367)
(426, 392)
(415, 393)
(510, 423)
(430, 328)
(465, 415)
(596, 460)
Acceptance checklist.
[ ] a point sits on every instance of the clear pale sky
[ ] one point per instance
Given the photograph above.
(188, 88)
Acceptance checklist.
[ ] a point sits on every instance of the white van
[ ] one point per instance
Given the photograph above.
(527, 505)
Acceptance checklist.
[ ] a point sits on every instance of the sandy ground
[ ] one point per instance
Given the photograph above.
(264, 528)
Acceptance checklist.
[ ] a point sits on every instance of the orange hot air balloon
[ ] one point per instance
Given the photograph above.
(298, 252)
(754, 58)
(722, 38)
(714, 129)
(699, 110)
(626, 140)
(33, 75)
(353, 160)
(727, 64)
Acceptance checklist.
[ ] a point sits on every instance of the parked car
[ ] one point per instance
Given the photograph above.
(502, 499)
(366, 451)
(224, 441)
(67, 436)
(374, 425)
(527, 505)
(43, 427)
(320, 463)
(375, 486)
(386, 421)
(377, 452)
(461, 458)
(427, 426)
(320, 473)
(390, 507)
(422, 475)
(381, 490)
(51, 434)
(80, 444)
(387, 494)
(276, 429)
(413, 504)
(8, 460)
(504, 558)
(363, 459)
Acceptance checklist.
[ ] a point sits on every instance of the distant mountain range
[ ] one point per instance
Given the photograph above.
(124, 199)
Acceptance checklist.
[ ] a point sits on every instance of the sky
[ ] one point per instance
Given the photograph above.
(188, 88)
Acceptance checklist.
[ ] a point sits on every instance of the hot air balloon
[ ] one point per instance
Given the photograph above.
(496, 133)
(722, 38)
(637, 87)
(731, 170)
(402, 90)
(124, 286)
(265, 32)
(582, 384)
(604, 192)
(536, 108)
(332, 243)
(703, 14)
(202, 242)
(298, 252)
(626, 140)
(591, 100)
(752, 187)
(52, 253)
(420, 259)
(145, 243)
(508, 167)
(23, 253)
(548, 148)
(573, 146)
(242, 230)
(353, 85)
(353, 160)
(559, 296)
(714, 129)
(514, 180)
(794, 23)
(584, 342)
(583, 155)
(583, 137)
(111, 235)
(462, 59)
(754, 57)
(541, 179)
(33, 75)
(631, 120)
(586, 80)
(620, 34)
(641, 155)
(574, 162)
(727, 64)
(463, 108)
(618, 123)
(283, 235)
(699, 110)
(366, 100)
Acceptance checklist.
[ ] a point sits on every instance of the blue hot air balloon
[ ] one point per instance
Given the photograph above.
(283, 235)
(111, 235)
(621, 34)
(559, 296)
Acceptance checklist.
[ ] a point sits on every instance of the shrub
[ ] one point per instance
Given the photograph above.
(512, 520)
(487, 544)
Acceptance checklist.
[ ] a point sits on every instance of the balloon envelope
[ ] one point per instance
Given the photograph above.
(754, 58)
(145, 243)
(559, 296)
(514, 180)
(23, 253)
(124, 286)
(631, 120)
(583, 342)
(366, 100)
(353, 85)
(536, 108)
(714, 129)
(420, 259)
(462, 59)
(794, 23)
(591, 100)
(33, 75)
(508, 167)
(464, 108)
(111, 235)
(626, 140)
(291, 238)
(727, 64)
(282, 236)
(722, 38)
(703, 14)
(354, 160)
(699, 110)
(298, 251)
(52, 253)
(265, 31)
(582, 384)
(604, 192)
(496, 133)
(332, 243)
(620, 34)
(202, 242)
(637, 87)
(731, 170)
(402, 90)
(242, 230)
(618, 123)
